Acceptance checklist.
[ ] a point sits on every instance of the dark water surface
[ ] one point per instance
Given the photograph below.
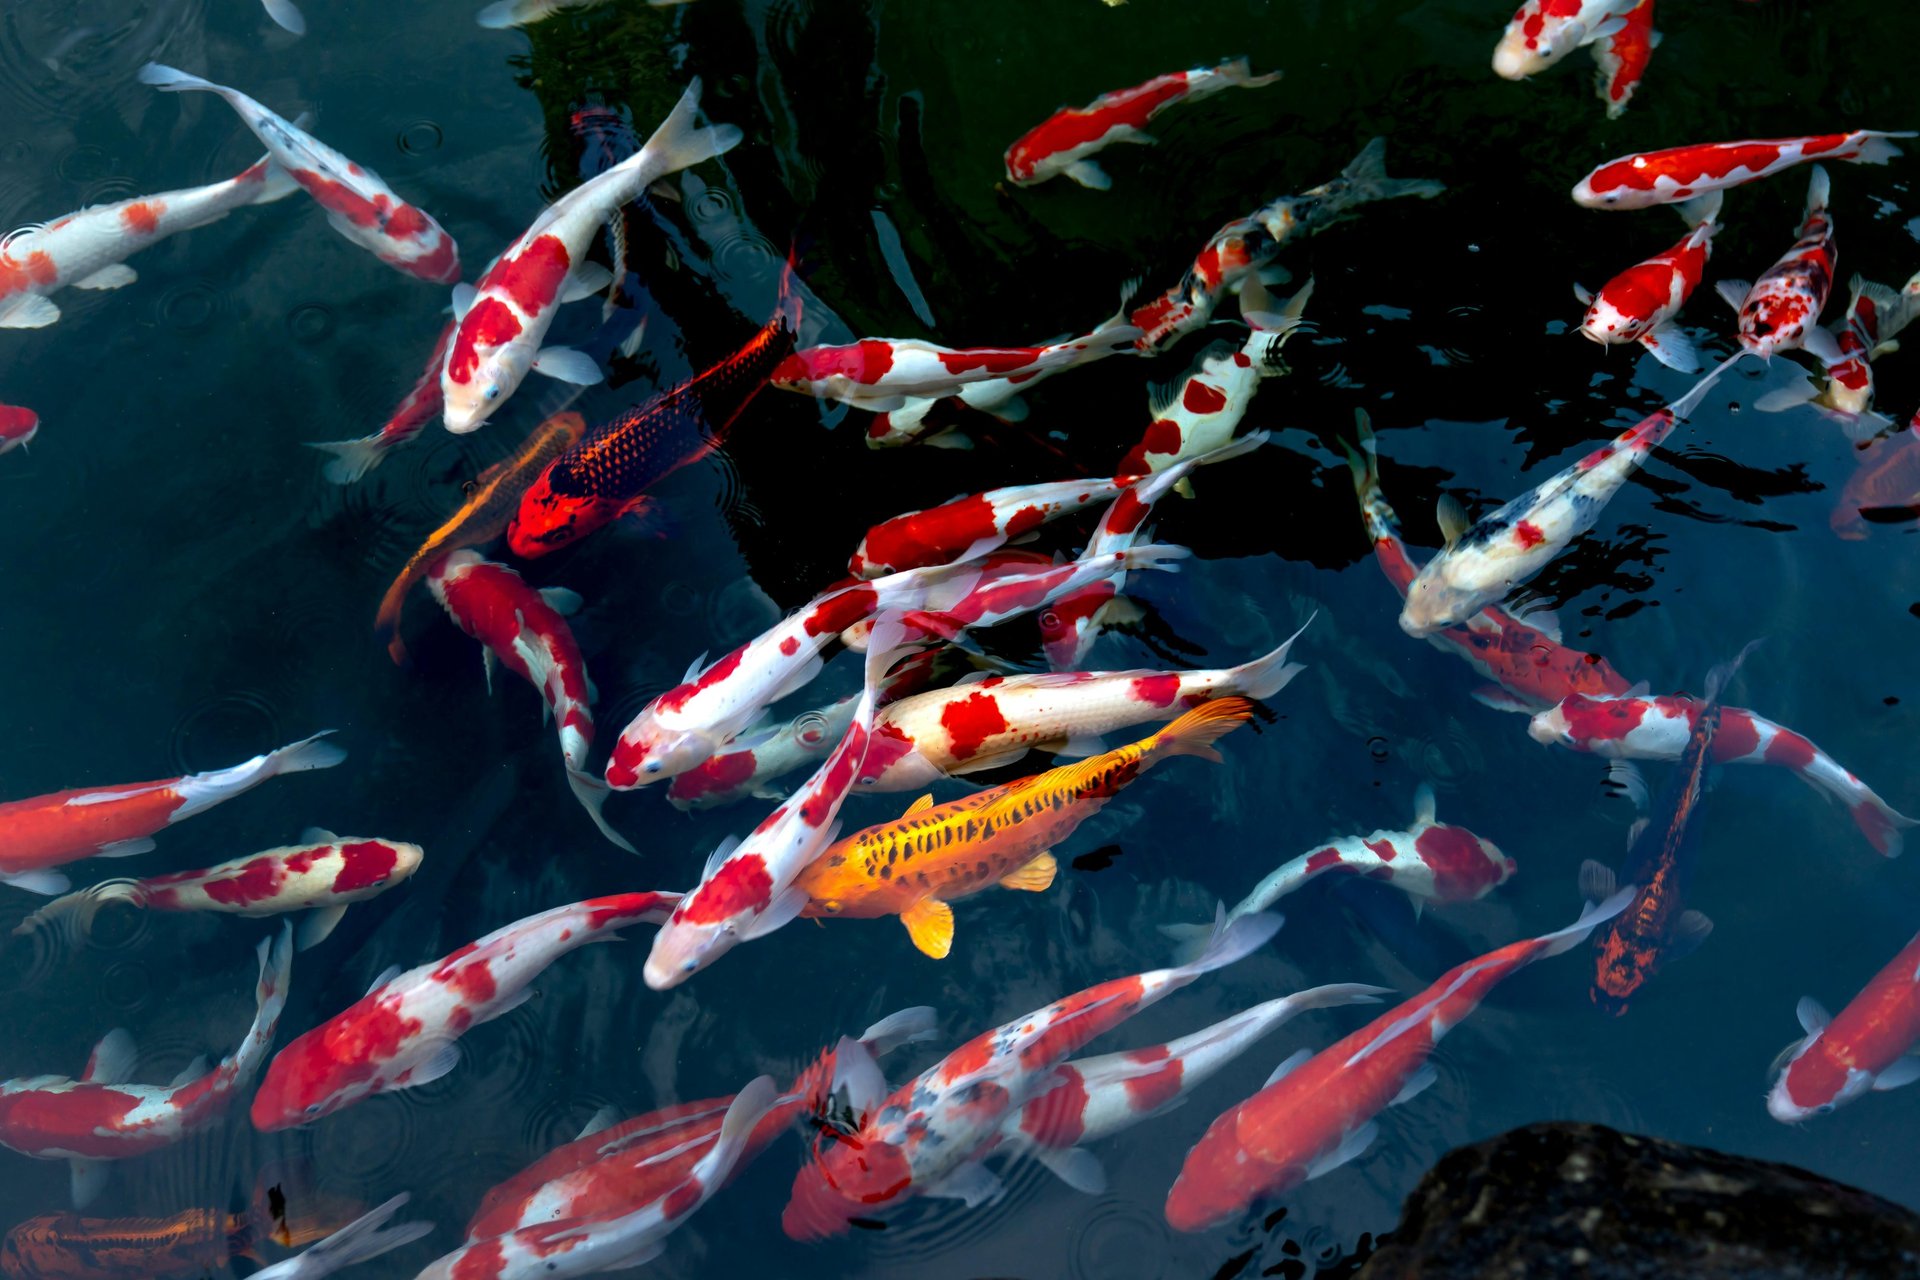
(182, 589)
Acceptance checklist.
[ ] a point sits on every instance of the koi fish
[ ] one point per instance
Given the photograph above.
(748, 764)
(487, 509)
(1622, 58)
(1875, 314)
(934, 855)
(1095, 1098)
(1245, 247)
(1001, 597)
(928, 1137)
(717, 701)
(1200, 413)
(1647, 728)
(352, 459)
(607, 475)
(507, 316)
(17, 426)
(1780, 311)
(747, 888)
(1639, 304)
(359, 205)
(1429, 862)
(89, 249)
(998, 719)
(524, 13)
(577, 1248)
(613, 1166)
(1884, 486)
(526, 631)
(403, 1032)
(116, 822)
(1683, 173)
(1063, 143)
(321, 876)
(1541, 32)
(1484, 560)
(938, 535)
(1530, 668)
(1865, 1048)
(1317, 1111)
(101, 1117)
(363, 1238)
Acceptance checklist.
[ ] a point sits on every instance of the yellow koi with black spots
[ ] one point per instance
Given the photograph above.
(932, 855)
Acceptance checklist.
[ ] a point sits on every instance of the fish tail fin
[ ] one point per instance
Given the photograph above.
(1878, 148)
(502, 16)
(1363, 456)
(363, 1238)
(1882, 297)
(1232, 938)
(1240, 72)
(908, 1026)
(1687, 403)
(1367, 172)
(748, 1108)
(1819, 190)
(1195, 732)
(173, 80)
(592, 794)
(1592, 916)
(1189, 940)
(308, 753)
(352, 459)
(1268, 674)
(679, 143)
(1879, 822)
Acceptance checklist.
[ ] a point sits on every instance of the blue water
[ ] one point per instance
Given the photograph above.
(183, 589)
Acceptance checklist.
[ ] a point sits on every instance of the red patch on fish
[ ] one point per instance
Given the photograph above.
(1462, 869)
(1382, 849)
(970, 721)
(841, 610)
(363, 865)
(1528, 534)
(1146, 1093)
(255, 881)
(142, 218)
(1790, 749)
(1322, 859)
(741, 885)
(1156, 691)
(1738, 735)
(715, 776)
(532, 277)
(1602, 719)
(1201, 398)
(674, 699)
(990, 359)
(490, 324)
(1057, 1118)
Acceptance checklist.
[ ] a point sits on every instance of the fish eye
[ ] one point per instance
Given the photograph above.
(313, 1109)
(652, 766)
(1825, 1108)
(1049, 620)
(493, 392)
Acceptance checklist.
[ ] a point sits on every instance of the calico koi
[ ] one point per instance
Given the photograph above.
(1781, 310)
(1875, 314)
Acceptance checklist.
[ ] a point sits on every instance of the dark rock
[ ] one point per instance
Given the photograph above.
(1581, 1200)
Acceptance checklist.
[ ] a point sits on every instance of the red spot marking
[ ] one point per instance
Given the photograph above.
(1601, 719)
(486, 1260)
(1157, 691)
(864, 362)
(473, 979)
(1528, 534)
(1025, 520)
(1202, 398)
(674, 699)
(1057, 1118)
(817, 809)
(407, 222)
(1144, 1093)
(1152, 1053)
(1163, 437)
(970, 721)
(36, 1120)
(1738, 737)
(1816, 1077)
(888, 746)
(364, 864)
(1241, 358)
(1462, 867)
(841, 610)
(970, 1057)
(340, 1052)
(789, 645)
(532, 277)
(1381, 849)
(994, 360)
(441, 266)
(343, 200)
(1322, 859)
(1790, 749)
(141, 217)
(932, 536)
(257, 880)
(1126, 514)
(740, 885)
(715, 776)
(490, 324)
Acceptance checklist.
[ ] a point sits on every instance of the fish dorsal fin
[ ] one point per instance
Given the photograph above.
(1162, 396)
(930, 924)
(924, 802)
(462, 300)
(858, 1084)
(383, 977)
(693, 672)
(1812, 1014)
(1288, 1066)
(1904, 1071)
(318, 835)
(1035, 877)
(1452, 518)
(1424, 808)
(1640, 689)
(192, 1071)
(112, 1060)
(605, 1118)
(1597, 881)
(717, 859)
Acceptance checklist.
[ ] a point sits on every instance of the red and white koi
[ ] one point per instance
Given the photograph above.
(573, 1247)
(403, 1032)
(1867, 1047)
(748, 765)
(1098, 1097)
(503, 323)
(1781, 310)
(89, 249)
(367, 1236)
(1530, 668)
(1649, 728)
(1201, 412)
(939, 535)
(1683, 173)
(1875, 314)
(18, 427)
(116, 822)
(1541, 32)
(1639, 304)
(1486, 559)
(354, 458)
(998, 719)
(1245, 247)
(1065, 141)
(928, 1137)
(322, 876)
(1429, 862)
(1317, 1111)
(359, 205)
(526, 631)
(747, 889)
(101, 1117)
(1001, 597)
(1622, 58)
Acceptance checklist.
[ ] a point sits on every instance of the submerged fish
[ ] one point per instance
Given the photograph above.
(1684, 173)
(934, 855)
(17, 427)
(1781, 310)
(365, 1237)
(524, 13)
(487, 510)
(352, 459)
(1639, 304)
(1884, 486)
(1867, 1047)
(748, 764)
(1541, 32)
(1622, 58)
(1875, 315)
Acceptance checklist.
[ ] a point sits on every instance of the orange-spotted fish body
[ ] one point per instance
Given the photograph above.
(933, 855)
(482, 517)
(66, 1246)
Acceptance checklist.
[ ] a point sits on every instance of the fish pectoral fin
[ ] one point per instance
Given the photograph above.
(1822, 346)
(1689, 931)
(383, 977)
(1417, 1083)
(192, 1071)
(1583, 295)
(1597, 881)
(974, 1184)
(562, 601)
(930, 924)
(1035, 877)
(1669, 344)
(1288, 1066)
(1812, 1014)
(89, 1179)
(800, 677)
(487, 664)
(924, 802)
(1081, 745)
(1352, 1147)
(1903, 1071)
(1452, 518)
(1886, 348)
(1733, 292)
(113, 1058)
(318, 835)
(991, 760)
(605, 1118)
(1089, 175)
(28, 311)
(126, 848)
(48, 884)
(565, 364)
(1077, 1167)
(117, 276)
(1498, 699)
(1607, 30)
(586, 280)
(442, 1060)
(320, 924)
(462, 300)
